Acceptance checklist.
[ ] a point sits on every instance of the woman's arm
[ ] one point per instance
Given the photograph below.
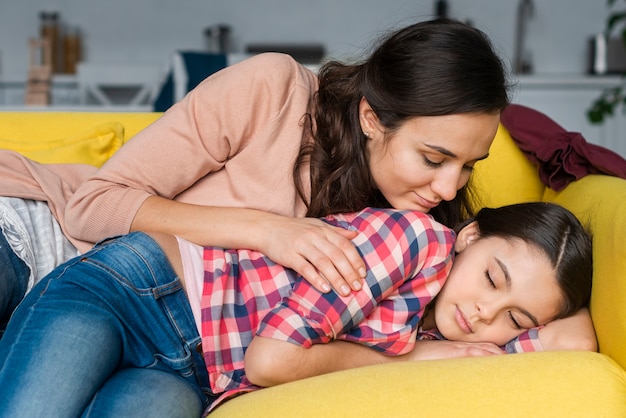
(212, 149)
(321, 253)
(573, 333)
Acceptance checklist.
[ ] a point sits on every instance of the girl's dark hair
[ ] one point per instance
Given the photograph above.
(431, 68)
(558, 234)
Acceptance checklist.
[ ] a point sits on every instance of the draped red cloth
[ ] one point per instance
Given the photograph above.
(561, 156)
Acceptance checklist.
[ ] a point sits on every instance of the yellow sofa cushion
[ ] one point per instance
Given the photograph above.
(94, 146)
(551, 384)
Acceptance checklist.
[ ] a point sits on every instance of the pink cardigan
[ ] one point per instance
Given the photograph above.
(232, 141)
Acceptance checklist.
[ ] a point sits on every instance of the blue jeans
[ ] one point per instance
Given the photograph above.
(14, 275)
(109, 333)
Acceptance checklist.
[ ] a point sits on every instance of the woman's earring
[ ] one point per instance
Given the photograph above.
(367, 135)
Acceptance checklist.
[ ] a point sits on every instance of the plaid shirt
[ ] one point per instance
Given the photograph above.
(408, 257)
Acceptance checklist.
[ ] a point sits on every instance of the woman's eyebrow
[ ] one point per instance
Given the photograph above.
(508, 283)
(450, 154)
(442, 150)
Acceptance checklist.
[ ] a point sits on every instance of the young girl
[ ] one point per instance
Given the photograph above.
(118, 331)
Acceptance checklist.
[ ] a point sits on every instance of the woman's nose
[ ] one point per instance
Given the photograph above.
(446, 184)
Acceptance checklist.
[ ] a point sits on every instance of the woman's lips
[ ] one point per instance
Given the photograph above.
(429, 204)
(462, 322)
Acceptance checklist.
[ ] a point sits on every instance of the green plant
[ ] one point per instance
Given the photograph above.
(612, 98)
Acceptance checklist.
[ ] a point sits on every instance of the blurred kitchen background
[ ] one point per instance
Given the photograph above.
(119, 54)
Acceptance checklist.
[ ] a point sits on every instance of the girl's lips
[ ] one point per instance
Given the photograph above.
(462, 322)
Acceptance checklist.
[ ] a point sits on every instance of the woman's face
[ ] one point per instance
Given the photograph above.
(496, 290)
(429, 158)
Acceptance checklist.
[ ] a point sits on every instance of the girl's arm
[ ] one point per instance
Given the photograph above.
(270, 362)
(409, 257)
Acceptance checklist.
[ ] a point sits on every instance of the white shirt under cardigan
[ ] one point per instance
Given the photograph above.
(34, 235)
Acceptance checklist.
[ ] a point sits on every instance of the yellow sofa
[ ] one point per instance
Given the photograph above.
(552, 384)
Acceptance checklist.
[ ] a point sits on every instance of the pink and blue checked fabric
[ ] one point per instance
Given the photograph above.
(408, 256)
(527, 342)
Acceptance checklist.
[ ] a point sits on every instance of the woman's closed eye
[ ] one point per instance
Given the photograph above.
(469, 168)
(430, 163)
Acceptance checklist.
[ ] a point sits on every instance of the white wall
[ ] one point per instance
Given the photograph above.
(147, 31)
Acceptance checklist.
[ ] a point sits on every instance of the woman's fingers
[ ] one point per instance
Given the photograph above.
(338, 262)
(323, 255)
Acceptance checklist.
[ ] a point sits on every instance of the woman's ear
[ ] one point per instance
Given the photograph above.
(466, 236)
(368, 119)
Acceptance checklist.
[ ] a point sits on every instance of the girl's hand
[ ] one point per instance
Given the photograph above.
(321, 253)
(573, 333)
(445, 349)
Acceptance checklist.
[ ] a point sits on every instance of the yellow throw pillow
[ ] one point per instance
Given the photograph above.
(94, 146)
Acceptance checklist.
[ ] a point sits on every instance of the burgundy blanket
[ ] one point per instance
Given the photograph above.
(561, 156)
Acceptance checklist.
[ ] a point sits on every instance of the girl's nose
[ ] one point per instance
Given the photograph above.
(484, 313)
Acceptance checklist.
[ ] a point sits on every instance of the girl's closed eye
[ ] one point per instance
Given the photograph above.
(489, 279)
(514, 321)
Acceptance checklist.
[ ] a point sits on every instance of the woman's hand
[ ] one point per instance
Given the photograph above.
(321, 253)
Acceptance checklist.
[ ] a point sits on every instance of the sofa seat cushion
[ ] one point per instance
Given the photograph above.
(549, 384)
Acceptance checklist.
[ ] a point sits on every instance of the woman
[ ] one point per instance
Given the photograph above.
(116, 332)
(256, 150)
(242, 159)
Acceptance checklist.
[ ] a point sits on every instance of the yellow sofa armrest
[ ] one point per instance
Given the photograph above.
(600, 202)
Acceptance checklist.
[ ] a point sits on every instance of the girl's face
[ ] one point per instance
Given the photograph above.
(496, 290)
(429, 158)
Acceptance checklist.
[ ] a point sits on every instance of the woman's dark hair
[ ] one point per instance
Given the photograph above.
(431, 68)
(558, 234)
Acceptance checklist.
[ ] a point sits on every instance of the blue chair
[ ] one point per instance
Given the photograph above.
(188, 69)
